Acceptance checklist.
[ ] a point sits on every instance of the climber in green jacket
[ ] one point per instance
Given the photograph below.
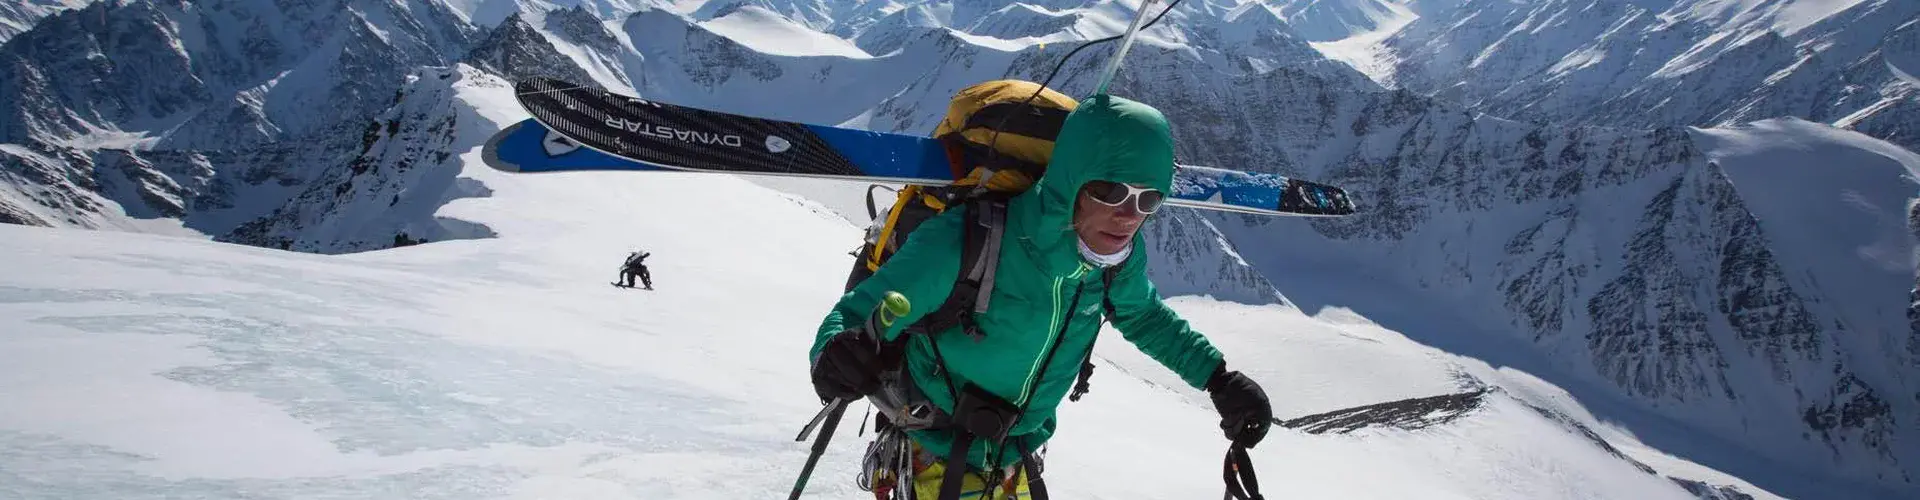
(1112, 165)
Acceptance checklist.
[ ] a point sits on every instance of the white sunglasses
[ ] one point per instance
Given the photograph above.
(1113, 194)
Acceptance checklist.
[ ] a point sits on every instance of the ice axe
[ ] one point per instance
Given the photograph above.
(890, 309)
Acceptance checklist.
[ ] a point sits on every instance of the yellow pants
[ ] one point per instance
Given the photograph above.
(930, 472)
(926, 484)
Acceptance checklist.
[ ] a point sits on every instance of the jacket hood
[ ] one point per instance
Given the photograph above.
(1105, 138)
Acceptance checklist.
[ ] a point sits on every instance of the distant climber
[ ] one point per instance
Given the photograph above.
(635, 266)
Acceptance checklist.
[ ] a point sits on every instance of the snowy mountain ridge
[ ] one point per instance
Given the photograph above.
(1682, 62)
(223, 113)
(1543, 237)
(1498, 221)
(20, 15)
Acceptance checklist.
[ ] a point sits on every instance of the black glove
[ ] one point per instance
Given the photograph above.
(1245, 414)
(848, 367)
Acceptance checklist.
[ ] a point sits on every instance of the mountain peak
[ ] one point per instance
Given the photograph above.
(515, 50)
(768, 32)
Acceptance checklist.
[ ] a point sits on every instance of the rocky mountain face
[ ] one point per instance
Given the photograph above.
(1627, 253)
(514, 50)
(388, 191)
(818, 15)
(249, 72)
(19, 15)
(216, 115)
(1322, 20)
(1675, 62)
(1190, 256)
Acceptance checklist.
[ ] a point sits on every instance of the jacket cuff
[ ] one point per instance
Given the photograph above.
(1219, 372)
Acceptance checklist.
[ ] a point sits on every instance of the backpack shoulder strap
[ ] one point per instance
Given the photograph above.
(984, 229)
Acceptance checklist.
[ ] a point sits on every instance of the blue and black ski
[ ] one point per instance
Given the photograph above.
(576, 128)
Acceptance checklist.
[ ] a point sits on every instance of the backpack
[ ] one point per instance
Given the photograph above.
(991, 133)
(998, 137)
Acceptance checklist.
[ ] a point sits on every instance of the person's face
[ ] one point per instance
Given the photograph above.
(1107, 214)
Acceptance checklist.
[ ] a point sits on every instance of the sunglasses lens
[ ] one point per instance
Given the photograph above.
(1107, 192)
(1150, 201)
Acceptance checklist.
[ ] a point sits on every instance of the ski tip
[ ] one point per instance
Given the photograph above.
(541, 85)
(490, 152)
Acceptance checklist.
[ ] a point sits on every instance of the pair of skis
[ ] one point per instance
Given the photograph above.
(575, 127)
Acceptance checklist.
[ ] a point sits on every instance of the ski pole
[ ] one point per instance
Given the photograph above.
(890, 309)
(1126, 43)
(1241, 483)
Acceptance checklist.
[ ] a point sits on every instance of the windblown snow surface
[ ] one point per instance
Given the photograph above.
(1362, 48)
(769, 33)
(137, 366)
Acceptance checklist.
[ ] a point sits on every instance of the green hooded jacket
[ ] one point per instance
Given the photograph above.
(1040, 275)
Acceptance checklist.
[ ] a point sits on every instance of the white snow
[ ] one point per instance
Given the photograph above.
(1363, 51)
(197, 368)
(490, 12)
(770, 33)
(609, 70)
(20, 16)
(1799, 184)
(1329, 20)
(100, 138)
(1783, 16)
(999, 44)
(114, 216)
(1800, 14)
(1832, 203)
(1903, 75)
(138, 365)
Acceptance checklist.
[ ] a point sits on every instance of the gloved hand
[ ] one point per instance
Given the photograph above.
(848, 366)
(1245, 414)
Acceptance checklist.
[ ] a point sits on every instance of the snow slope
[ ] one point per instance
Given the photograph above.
(1361, 48)
(151, 367)
(1845, 224)
(1329, 20)
(769, 33)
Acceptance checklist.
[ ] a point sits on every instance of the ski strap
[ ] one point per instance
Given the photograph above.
(956, 466)
(1241, 485)
(994, 217)
(983, 230)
